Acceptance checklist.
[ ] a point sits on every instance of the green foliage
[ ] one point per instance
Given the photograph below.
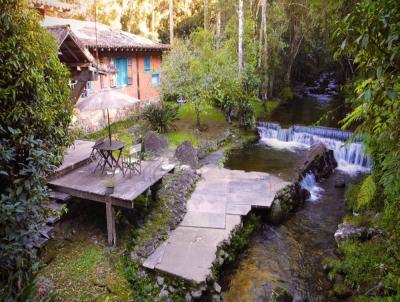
(204, 71)
(366, 192)
(370, 34)
(286, 94)
(34, 118)
(161, 118)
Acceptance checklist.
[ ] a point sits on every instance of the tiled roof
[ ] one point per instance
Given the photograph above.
(107, 37)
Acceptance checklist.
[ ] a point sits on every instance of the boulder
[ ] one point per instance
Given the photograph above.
(285, 202)
(320, 161)
(350, 231)
(187, 154)
(154, 142)
(280, 294)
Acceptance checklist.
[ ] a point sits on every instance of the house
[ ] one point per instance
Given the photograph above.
(133, 63)
(77, 58)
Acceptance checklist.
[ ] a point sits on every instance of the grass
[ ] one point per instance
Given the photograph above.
(210, 117)
(83, 271)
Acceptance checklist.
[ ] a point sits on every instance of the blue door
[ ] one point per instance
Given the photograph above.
(122, 76)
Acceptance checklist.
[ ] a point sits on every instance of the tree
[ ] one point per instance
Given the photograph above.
(240, 35)
(370, 34)
(171, 22)
(34, 119)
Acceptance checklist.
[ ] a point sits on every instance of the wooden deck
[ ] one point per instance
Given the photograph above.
(83, 183)
(76, 178)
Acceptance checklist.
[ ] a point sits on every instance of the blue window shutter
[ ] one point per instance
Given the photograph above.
(122, 76)
(147, 63)
(155, 80)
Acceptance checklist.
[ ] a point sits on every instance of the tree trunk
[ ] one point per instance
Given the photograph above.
(263, 33)
(153, 17)
(206, 27)
(171, 22)
(218, 31)
(241, 30)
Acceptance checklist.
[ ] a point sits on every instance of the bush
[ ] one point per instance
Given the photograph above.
(34, 118)
(286, 94)
(161, 118)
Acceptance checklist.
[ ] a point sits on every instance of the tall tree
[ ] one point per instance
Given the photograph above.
(240, 40)
(206, 16)
(218, 17)
(171, 22)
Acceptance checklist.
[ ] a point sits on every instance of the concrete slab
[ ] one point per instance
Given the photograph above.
(215, 209)
(238, 209)
(204, 220)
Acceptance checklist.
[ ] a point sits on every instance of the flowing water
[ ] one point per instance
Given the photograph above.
(291, 255)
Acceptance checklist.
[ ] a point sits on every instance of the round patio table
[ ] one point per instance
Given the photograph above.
(106, 150)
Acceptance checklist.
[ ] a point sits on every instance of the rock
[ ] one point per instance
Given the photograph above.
(320, 161)
(341, 291)
(340, 183)
(196, 294)
(285, 202)
(217, 287)
(350, 231)
(163, 293)
(171, 289)
(187, 154)
(160, 280)
(216, 298)
(280, 294)
(134, 256)
(154, 143)
(188, 297)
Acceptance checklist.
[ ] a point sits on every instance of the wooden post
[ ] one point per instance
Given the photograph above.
(111, 234)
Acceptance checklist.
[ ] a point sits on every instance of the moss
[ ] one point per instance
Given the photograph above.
(83, 271)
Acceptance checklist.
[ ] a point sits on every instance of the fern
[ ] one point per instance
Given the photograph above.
(366, 193)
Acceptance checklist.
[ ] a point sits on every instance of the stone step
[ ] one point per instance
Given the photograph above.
(60, 196)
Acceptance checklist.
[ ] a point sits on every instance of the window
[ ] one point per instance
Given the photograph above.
(147, 63)
(155, 80)
(122, 75)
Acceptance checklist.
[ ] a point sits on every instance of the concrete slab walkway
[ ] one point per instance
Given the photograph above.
(215, 208)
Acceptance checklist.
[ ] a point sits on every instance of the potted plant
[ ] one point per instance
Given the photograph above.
(110, 185)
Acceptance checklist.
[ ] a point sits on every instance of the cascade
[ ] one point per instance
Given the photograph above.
(349, 155)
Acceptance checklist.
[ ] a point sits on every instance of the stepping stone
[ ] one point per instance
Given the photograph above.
(204, 220)
(60, 196)
(238, 209)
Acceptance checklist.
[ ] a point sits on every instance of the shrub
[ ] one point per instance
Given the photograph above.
(34, 118)
(161, 118)
(287, 94)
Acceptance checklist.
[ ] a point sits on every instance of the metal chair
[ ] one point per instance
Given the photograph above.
(95, 155)
(133, 161)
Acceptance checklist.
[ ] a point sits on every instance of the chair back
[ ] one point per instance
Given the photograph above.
(136, 149)
(98, 141)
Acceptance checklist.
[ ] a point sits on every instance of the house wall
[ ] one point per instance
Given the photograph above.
(136, 73)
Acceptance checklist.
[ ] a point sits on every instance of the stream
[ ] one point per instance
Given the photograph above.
(291, 255)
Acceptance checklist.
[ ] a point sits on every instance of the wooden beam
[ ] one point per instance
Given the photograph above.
(71, 52)
(111, 233)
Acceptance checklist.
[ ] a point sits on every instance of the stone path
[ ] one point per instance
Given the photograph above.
(215, 208)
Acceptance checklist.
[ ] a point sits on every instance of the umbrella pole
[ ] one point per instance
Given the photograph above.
(109, 127)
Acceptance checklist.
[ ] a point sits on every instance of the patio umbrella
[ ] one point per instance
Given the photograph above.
(104, 100)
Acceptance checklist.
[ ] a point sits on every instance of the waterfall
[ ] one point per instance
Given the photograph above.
(350, 156)
(310, 184)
